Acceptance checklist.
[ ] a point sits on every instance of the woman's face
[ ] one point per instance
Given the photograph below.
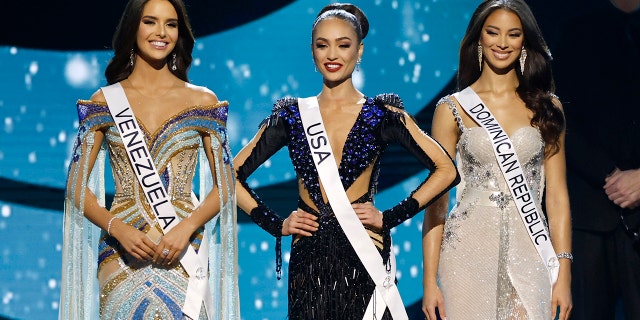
(501, 39)
(157, 31)
(335, 49)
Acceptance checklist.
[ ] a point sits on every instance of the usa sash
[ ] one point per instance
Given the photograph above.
(514, 176)
(386, 293)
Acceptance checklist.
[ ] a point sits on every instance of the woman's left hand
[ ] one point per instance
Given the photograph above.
(561, 297)
(173, 244)
(369, 215)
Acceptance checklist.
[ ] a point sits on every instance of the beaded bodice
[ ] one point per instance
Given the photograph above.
(477, 161)
(363, 147)
(174, 146)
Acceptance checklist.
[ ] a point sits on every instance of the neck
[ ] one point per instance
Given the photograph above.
(497, 82)
(344, 91)
(147, 75)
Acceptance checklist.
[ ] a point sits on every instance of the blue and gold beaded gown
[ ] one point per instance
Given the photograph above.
(127, 288)
(326, 278)
(489, 267)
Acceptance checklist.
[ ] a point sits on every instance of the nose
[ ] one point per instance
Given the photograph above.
(332, 54)
(503, 43)
(161, 31)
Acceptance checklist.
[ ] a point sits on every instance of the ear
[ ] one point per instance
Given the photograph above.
(360, 50)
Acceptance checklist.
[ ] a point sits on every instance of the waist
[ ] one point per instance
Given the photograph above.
(499, 199)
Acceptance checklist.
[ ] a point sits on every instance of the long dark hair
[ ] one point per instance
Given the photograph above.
(346, 12)
(124, 41)
(536, 86)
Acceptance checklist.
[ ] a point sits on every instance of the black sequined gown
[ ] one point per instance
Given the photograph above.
(326, 278)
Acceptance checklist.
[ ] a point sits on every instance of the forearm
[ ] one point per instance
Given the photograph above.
(205, 211)
(560, 232)
(432, 230)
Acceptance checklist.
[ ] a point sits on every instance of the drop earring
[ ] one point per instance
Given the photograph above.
(132, 57)
(358, 64)
(523, 59)
(480, 56)
(173, 62)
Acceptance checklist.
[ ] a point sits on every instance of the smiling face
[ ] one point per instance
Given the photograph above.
(157, 31)
(335, 49)
(501, 39)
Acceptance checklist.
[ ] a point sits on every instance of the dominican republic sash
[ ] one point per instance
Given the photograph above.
(512, 171)
(195, 264)
(386, 293)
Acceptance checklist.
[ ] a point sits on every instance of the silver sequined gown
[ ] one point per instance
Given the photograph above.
(489, 267)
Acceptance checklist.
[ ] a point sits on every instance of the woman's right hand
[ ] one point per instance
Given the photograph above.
(300, 222)
(135, 242)
(432, 298)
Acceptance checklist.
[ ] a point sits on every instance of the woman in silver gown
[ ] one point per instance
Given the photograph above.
(481, 262)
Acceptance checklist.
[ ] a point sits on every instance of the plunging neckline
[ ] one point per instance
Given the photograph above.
(153, 135)
(364, 100)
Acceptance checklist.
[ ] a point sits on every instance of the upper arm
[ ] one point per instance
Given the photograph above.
(204, 96)
(98, 96)
(555, 170)
(428, 144)
(444, 128)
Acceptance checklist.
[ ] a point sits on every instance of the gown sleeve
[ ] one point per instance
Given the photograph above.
(223, 232)
(401, 128)
(271, 137)
(80, 237)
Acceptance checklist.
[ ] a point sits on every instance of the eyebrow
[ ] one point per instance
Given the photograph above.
(337, 39)
(512, 29)
(155, 18)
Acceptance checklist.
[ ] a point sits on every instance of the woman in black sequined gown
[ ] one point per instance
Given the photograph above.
(327, 280)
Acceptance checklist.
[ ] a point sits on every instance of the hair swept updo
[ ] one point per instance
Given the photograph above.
(346, 12)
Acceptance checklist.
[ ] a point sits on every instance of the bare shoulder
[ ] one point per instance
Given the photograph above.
(98, 96)
(202, 95)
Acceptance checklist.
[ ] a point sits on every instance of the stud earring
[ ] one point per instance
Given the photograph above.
(173, 62)
(132, 57)
(523, 59)
(480, 56)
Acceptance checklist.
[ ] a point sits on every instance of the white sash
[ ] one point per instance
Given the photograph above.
(195, 264)
(513, 174)
(386, 293)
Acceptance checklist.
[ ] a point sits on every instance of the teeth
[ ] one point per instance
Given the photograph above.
(502, 55)
(158, 43)
(333, 66)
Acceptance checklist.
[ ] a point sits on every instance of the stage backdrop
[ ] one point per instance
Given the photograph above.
(411, 50)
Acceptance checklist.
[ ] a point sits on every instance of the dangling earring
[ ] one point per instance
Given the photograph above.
(132, 57)
(358, 64)
(523, 59)
(173, 62)
(480, 56)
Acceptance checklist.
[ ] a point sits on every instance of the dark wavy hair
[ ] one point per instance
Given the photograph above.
(536, 86)
(124, 40)
(346, 12)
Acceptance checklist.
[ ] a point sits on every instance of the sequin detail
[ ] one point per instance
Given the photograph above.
(326, 278)
(489, 268)
(133, 289)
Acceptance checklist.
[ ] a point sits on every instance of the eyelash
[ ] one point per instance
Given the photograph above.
(345, 46)
(492, 33)
(172, 24)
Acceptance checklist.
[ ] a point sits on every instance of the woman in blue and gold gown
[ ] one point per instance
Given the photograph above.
(327, 280)
(138, 269)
